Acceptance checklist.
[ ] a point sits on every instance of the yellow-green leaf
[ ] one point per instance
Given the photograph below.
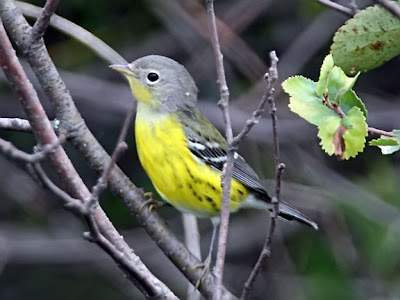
(388, 145)
(304, 100)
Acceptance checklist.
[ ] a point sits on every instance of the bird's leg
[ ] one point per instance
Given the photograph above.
(207, 262)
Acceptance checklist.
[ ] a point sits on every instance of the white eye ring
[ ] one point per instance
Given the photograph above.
(152, 77)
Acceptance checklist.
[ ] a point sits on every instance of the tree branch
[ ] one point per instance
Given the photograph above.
(337, 7)
(121, 145)
(271, 77)
(15, 124)
(41, 24)
(97, 158)
(226, 175)
(45, 134)
(382, 132)
(77, 32)
(390, 6)
(129, 264)
(10, 150)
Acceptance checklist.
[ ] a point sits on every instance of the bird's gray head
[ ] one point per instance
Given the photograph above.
(160, 82)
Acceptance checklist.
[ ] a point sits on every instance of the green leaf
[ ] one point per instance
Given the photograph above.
(322, 84)
(326, 133)
(339, 84)
(388, 145)
(369, 39)
(304, 100)
(349, 100)
(344, 137)
(384, 141)
(354, 137)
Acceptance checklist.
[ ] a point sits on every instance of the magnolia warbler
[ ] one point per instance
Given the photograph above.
(181, 151)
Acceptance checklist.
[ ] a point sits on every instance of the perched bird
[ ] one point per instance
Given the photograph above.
(181, 151)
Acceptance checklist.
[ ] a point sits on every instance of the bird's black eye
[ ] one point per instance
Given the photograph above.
(152, 77)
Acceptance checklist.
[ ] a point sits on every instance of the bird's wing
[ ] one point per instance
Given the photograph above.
(208, 145)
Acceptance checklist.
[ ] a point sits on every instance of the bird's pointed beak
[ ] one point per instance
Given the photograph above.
(123, 69)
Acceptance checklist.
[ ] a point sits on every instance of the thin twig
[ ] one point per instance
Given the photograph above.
(338, 7)
(270, 78)
(13, 152)
(390, 6)
(121, 146)
(382, 132)
(70, 203)
(41, 24)
(372, 130)
(226, 175)
(335, 107)
(266, 250)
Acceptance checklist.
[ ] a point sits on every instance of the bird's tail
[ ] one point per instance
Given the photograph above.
(290, 213)
(286, 211)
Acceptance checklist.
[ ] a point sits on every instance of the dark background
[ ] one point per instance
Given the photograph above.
(355, 255)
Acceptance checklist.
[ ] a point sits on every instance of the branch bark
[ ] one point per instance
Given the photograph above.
(107, 238)
(226, 176)
(97, 158)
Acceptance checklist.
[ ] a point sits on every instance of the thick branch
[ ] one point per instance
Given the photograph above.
(45, 134)
(97, 158)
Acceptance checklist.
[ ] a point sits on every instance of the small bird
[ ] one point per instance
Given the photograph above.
(182, 152)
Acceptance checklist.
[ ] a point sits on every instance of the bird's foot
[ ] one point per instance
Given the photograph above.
(153, 204)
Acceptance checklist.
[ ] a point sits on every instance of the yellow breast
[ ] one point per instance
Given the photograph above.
(177, 175)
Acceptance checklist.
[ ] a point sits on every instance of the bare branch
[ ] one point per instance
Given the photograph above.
(390, 6)
(129, 264)
(41, 24)
(382, 132)
(15, 124)
(271, 77)
(10, 150)
(226, 176)
(68, 202)
(77, 32)
(88, 146)
(337, 7)
(121, 146)
(42, 128)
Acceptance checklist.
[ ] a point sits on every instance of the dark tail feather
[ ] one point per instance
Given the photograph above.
(290, 213)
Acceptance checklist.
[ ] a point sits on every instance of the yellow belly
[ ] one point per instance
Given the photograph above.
(180, 179)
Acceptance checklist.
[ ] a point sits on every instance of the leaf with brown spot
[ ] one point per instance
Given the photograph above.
(366, 41)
